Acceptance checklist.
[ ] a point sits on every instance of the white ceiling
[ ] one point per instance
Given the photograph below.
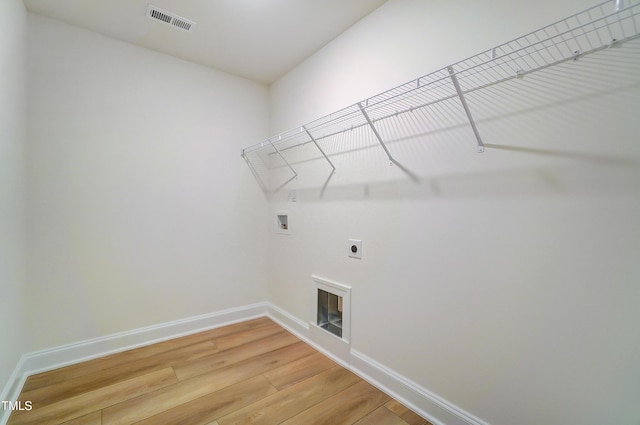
(256, 39)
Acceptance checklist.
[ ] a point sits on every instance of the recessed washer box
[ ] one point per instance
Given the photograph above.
(282, 223)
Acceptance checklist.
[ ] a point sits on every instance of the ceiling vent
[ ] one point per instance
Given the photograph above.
(172, 19)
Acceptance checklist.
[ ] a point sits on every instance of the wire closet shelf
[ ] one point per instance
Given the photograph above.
(599, 27)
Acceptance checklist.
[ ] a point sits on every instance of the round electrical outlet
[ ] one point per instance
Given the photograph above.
(355, 248)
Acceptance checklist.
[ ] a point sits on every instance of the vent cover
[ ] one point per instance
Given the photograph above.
(172, 19)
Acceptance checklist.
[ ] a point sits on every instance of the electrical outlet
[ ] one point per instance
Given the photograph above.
(355, 248)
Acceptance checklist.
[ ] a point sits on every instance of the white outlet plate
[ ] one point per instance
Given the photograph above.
(357, 243)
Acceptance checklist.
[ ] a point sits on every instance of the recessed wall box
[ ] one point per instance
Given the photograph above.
(282, 223)
(332, 307)
(329, 315)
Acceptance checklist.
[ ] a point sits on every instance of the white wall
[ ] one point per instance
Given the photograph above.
(13, 57)
(140, 209)
(506, 282)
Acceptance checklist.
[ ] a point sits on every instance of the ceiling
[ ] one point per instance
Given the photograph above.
(257, 39)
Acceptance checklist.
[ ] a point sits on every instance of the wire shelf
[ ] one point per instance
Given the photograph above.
(602, 26)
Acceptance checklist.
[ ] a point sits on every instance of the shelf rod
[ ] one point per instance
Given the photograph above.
(319, 148)
(616, 42)
(366, 116)
(594, 25)
(454, 79)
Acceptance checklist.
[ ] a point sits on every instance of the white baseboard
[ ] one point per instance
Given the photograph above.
(337, 348)
(12, 390)
(97, 347)
(288, 321)
(54, 358)
(302, 330)
(424, 402)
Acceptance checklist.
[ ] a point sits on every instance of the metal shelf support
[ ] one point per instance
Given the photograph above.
(254, 172)
(295, 174)
(408, 172)
(610, 23)
(366, 117)
(319, 148)
(467, 111)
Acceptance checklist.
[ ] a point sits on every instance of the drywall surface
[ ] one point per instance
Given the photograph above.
(140, 210)
(504, 282)
(13, 136)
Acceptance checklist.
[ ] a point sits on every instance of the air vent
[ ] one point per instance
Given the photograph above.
(156, 13)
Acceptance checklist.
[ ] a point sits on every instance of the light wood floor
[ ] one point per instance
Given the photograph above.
(253, 372)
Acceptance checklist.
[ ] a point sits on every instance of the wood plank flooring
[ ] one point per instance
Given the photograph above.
(253, 372)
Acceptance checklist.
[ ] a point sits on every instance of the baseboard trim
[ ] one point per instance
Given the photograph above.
(288, 321)
(433, 407)
(424, 402)
(86, 350)
(302, 330)
(12, 390)
(42, 361)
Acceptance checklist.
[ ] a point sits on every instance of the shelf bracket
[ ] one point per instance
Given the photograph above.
(454, 79)
(288, 165)
(366, 116)
(411, 175)
(319, 148)
(254, 172)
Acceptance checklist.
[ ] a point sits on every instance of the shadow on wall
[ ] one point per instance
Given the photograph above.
(568, 129)
(549, 181)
